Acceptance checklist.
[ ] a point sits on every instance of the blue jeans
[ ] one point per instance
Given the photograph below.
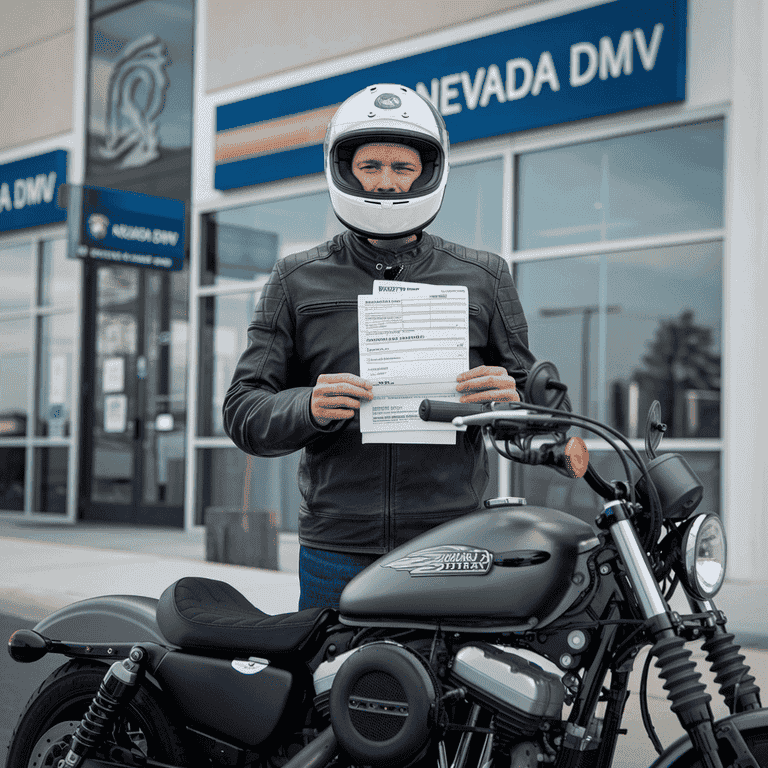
(323, 575)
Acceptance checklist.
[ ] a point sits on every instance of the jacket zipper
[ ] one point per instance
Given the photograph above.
(388, 498)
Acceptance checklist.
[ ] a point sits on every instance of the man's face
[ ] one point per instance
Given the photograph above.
(386, 167)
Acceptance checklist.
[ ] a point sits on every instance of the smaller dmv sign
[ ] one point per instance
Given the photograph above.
(131, 228)
(28, 191)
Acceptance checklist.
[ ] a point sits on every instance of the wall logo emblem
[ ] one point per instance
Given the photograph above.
(387, 101)
(135, 99)
(98, 226)
(445, 560)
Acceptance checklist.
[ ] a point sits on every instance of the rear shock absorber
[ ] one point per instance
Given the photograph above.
(117, 688)
(737, 686)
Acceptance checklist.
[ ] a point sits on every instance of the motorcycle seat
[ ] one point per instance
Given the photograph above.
(206, 614)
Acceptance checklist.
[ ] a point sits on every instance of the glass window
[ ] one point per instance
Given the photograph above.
(16, 271)
(13, 461)
(656, 336)
(651, 183)
(59, 276)
(544, 487)
(55, 371)
(224, 336)
(471, 213)
(51, 480)
(242, 242)
(15, 345)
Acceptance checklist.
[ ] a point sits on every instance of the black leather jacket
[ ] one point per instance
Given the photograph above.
(365, 498)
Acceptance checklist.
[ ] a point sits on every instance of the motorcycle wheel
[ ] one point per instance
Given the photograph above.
(755, 739)
(44, 731)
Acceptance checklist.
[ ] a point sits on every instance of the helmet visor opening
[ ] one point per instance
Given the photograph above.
(343, 152)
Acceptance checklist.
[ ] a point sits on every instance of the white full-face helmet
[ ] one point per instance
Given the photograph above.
(386, 113)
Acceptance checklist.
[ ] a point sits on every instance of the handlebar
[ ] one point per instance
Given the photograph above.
(438, 410)
(515, 418)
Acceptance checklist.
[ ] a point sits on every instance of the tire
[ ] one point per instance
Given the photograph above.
(43, 733)
(756, 740)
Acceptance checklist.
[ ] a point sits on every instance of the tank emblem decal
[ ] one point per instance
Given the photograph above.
(250, 667)
(445, 560)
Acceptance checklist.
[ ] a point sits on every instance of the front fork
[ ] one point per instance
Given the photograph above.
(682, 681)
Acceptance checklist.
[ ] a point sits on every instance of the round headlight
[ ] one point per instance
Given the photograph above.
(704, 554)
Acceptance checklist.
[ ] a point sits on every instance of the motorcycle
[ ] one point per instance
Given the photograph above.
(491, 640)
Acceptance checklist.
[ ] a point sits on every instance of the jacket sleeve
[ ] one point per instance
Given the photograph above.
(265, 412)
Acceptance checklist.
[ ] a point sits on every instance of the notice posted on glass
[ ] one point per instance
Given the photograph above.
(414, 342)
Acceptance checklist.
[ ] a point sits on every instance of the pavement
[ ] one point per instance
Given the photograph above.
(45, 566)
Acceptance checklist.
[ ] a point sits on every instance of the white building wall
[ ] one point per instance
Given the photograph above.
(37, 70)
(248, 40)
(745, 361)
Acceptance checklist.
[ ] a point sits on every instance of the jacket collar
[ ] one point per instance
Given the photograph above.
(373, 255)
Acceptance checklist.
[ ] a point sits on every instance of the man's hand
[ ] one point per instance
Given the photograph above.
(338, 396)
(485, 384)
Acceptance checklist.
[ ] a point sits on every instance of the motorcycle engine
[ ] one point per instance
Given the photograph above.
(520, 693)
(383, 703)
(383, 699)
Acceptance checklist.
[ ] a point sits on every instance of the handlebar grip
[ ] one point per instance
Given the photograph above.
(438, 410)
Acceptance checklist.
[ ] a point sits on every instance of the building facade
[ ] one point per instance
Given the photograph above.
(612, 154)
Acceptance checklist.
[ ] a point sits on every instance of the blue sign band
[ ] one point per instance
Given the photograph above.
(28, 190)
(609, 58)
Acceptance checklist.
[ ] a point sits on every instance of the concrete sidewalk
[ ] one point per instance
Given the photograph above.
(45, 567)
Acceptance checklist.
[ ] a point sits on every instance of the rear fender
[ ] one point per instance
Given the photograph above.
(108, 619)
(682, 750)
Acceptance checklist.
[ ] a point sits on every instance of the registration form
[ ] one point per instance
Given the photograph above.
(414, 342)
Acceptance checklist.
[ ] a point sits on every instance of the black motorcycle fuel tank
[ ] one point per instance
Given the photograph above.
(509, 567)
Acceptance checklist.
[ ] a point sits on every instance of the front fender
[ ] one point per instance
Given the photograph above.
(107, 619)
(756, 720)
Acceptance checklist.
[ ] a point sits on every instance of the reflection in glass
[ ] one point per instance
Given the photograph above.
(656, 336)
(50, 490)
(15, 345)
(59, 276)
(56, 347)
(242, 242)
(12, 460)
(140, 110)
(544, 487)
(117, 286)
(164, 387)
(471, 213)
(651, 183)
(229, 478)
(224, 335)
(116, 396)
(16, 269)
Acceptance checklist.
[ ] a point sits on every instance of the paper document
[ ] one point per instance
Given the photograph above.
(414, 341)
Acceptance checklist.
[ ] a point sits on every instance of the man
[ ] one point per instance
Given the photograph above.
(297, 385)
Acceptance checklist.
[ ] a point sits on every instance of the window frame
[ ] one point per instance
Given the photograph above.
(34, 313)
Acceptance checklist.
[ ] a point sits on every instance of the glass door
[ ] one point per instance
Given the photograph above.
(134, 457)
